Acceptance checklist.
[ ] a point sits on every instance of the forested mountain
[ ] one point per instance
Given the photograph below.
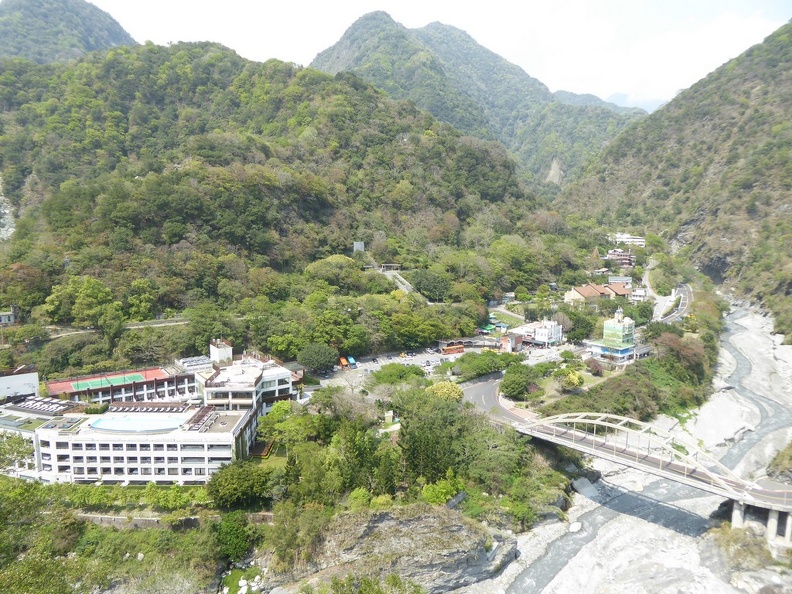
(56, 30)
(443, 70)
(712, 170)
(157, 163)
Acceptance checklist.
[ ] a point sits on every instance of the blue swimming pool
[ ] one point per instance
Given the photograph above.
(139, 423)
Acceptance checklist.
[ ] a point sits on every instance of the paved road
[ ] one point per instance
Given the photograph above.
(656, 502)
(685, 294)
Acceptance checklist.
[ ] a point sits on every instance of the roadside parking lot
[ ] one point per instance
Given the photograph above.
(423, 358)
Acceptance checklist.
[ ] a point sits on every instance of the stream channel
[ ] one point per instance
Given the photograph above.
(659, 503)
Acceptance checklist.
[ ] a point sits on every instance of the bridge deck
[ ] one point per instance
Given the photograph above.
(662, 456)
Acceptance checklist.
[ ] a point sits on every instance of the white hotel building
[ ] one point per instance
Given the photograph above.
(164, 442)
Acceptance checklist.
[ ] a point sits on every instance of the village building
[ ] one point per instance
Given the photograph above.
(618, 340)
(546, 333)
(624, 259)
(9, 316)
(588, 293)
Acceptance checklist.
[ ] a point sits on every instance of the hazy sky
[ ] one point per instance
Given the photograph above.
(633, 52)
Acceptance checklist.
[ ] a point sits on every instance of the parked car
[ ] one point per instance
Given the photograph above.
(375, 360)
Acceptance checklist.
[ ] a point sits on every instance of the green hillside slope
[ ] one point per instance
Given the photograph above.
(443, 70)
(712, 171)
(56, 30)
(154, 162)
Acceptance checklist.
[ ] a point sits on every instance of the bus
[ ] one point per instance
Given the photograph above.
(453, 349)
(352, 362)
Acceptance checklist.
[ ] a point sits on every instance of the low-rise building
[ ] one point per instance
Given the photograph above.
(9, 316)
(134, 385)
(546, 333)
(588, 293)
(618, 290)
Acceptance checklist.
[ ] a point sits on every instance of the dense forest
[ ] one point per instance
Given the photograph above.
(56, 30)
(150, 180)
(711, 172)
(444, 71)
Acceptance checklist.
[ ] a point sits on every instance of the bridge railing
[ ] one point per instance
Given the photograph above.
(652, 449)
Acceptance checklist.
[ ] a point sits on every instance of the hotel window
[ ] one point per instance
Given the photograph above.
(78, 460)
(200, 471)
(77, 446)
(106, 470)
(118, 447)
(172, 447)
(131, 447)
(173, 471)
(44, 444)
(91, 459)
(118, 459)
(131, 459)
(104, 459)
(105, 447)
(79, 470)
(90, 446)
(173, 460)
(145, 471)
(62, 445)
(64, 468)
(158, 447)
(145, 447)
(145, 460)
(92, 470)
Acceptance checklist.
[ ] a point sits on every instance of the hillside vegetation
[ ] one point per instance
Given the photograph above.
(443, 70)
(712, 171)
(56, 30)
(150, 180)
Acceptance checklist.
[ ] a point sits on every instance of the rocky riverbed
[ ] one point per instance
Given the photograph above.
(637, 533)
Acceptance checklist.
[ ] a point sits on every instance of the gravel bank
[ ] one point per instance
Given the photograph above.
(647, 535)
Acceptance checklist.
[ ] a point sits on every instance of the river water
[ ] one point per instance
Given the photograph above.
(644, 534)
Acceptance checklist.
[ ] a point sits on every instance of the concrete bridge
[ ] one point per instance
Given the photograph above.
(654, 450)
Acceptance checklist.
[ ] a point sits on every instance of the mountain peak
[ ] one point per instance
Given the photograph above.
(56, 30)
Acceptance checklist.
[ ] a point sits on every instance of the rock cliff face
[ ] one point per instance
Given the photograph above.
(7, 224)
(434, 547)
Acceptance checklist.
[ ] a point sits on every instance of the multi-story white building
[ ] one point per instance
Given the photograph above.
(251, 381)
(545, 333)
(627, 239)
(138, 441)
(135, 443)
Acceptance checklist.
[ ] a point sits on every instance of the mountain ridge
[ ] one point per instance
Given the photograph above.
(56, 30)
(711, 171)
(445, 71)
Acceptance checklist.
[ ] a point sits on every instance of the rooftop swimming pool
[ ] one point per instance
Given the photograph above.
(140, 423)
